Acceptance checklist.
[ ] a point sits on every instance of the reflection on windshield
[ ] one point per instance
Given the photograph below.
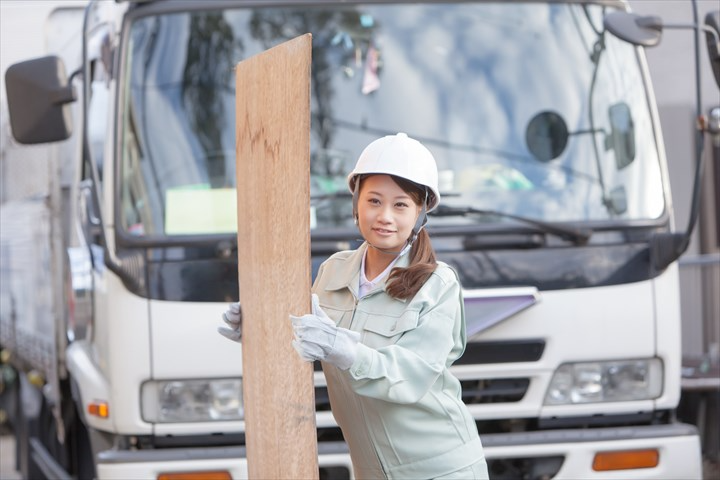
(465, 79)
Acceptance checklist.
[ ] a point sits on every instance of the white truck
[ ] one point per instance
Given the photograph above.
(557, 216)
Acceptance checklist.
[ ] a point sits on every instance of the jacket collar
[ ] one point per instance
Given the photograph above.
(346, 274)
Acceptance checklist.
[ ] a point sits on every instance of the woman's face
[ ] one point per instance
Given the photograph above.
(386, 213)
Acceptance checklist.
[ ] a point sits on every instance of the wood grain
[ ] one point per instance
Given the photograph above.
(273, 205)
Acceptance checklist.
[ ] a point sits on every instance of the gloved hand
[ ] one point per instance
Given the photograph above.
(233, 319)
(318, 338)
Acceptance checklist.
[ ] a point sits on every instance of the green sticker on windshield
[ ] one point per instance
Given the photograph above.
(200, 211)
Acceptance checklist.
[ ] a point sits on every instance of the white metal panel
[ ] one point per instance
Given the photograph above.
(587, 323)
(122, 343)
(186, 344)
(669, 334)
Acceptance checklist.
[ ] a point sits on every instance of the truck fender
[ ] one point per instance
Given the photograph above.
(89, 383)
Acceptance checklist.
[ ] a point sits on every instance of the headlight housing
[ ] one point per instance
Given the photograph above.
(613, 381)
(174, 401)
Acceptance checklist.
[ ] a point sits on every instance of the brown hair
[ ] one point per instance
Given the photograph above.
(404, 283)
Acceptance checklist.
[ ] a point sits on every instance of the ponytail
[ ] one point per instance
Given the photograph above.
(404, 283)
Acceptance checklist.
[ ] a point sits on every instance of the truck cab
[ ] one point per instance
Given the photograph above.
(555, 211)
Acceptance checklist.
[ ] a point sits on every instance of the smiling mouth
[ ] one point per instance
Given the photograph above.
(383, 231)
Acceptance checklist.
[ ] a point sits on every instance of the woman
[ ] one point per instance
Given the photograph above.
(387, 322)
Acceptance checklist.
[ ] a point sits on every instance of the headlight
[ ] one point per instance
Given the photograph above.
(192, 400)
(614, 381)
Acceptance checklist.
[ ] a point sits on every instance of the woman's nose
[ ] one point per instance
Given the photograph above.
(384, 215)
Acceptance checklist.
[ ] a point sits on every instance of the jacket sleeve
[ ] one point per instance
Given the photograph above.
(405, 372)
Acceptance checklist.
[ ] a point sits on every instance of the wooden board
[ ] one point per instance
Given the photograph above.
(273, 204)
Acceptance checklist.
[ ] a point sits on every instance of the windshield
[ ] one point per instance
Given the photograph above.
(529, 109)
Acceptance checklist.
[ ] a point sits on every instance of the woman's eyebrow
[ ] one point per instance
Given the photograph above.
(373, 192)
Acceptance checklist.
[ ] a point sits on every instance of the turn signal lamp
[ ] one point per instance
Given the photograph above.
(214, 475)
(626, 460)
(99, 409)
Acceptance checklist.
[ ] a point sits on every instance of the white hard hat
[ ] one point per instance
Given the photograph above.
(403, 157)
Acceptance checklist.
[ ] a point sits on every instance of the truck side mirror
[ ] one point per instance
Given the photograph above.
(38, 94)
(646, 31)
(634, 29)
(622, 135)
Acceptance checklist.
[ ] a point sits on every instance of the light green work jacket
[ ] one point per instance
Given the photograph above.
(399, 407)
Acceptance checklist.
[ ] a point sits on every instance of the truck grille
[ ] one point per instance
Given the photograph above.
(502, 351)
(322, 400)
(491, 390)
(479, 391)
(494, 390)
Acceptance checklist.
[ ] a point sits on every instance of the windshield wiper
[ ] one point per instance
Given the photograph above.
(575, 235)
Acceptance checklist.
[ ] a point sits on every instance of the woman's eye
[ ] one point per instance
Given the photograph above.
(401, 205)
(374, 201)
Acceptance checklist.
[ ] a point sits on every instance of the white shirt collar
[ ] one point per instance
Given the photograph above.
(367, 285)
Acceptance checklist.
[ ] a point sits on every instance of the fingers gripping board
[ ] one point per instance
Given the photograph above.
(272, 110)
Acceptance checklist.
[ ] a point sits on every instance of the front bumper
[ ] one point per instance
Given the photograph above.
(678, 446)
(333, 460)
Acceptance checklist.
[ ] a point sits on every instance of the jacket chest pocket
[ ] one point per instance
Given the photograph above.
(341, 317)
(380, 330)
(339, 306)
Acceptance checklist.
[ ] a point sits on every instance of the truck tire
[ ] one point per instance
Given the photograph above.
(82, 463)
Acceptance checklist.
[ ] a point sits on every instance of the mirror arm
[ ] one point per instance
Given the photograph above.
(690, 26)
(65, 95)
(700, 139)
(668, 247)
(68, 94)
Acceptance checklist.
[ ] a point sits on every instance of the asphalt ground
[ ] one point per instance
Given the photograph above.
(7, 457)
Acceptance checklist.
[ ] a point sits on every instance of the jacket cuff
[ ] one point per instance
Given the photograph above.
(360, 368)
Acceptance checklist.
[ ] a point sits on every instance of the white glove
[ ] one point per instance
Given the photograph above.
(318, 338)
(233, 319)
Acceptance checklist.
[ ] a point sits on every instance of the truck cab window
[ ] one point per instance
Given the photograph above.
(379, 69)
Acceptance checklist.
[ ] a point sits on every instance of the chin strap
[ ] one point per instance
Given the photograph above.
(421, 220)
